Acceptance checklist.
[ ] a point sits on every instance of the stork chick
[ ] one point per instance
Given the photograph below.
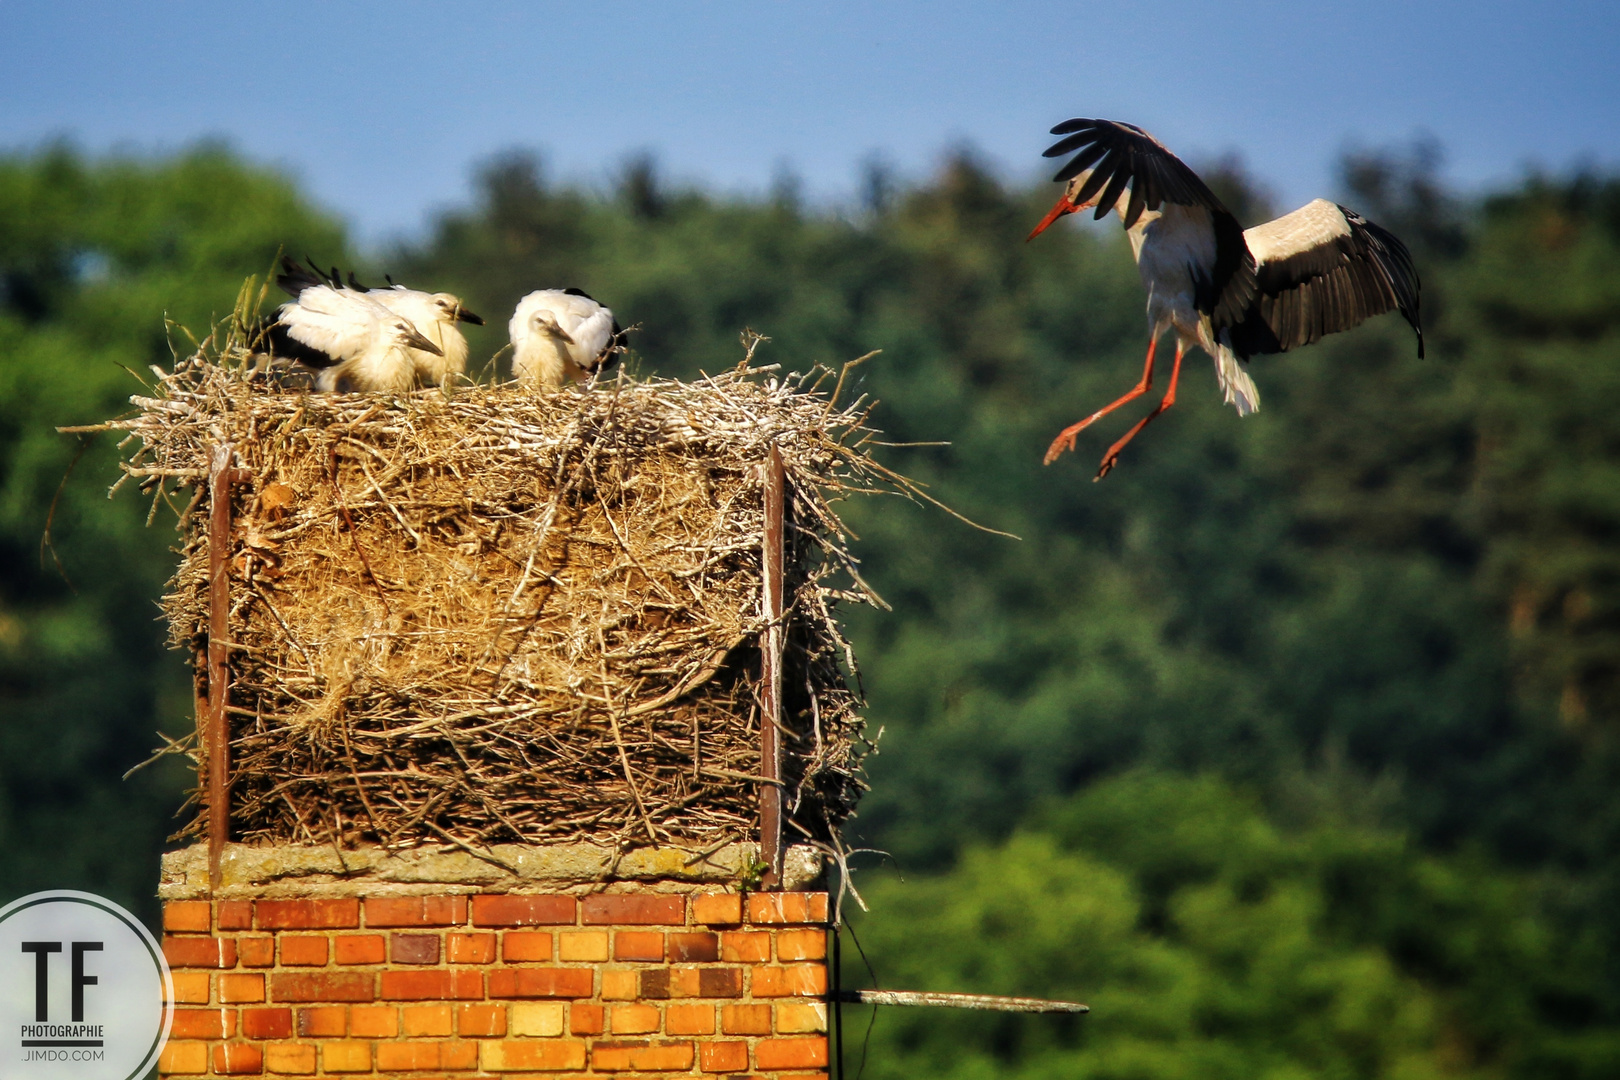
(348, 340)
(561, 333)
(435, 315)
(1233, 293)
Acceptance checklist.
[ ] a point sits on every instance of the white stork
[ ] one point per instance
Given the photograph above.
(561, 332)
(1234, 293)
(349, 340)
(435, 315)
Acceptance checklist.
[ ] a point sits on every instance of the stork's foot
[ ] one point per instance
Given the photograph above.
(1064, 441)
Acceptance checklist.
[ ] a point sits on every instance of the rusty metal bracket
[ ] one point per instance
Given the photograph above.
(770, 719)
(216, 729)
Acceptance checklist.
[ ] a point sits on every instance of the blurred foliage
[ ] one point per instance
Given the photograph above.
(1210, 944)
(1376, 621)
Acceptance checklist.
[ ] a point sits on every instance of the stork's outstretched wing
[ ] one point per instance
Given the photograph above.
(1322, 269)
(1119, 154)
(1112, 156)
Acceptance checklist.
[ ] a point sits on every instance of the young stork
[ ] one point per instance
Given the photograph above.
(348, 340)
(1232, 292)
(435, 315)
(561, 332)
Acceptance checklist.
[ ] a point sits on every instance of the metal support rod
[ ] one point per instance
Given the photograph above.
(220, 475)
(770, 720)
(990, 1002)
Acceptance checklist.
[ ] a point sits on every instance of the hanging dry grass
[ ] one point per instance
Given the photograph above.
(512, 615)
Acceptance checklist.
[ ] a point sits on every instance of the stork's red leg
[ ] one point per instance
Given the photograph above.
(1111, 458)
(1065, 439)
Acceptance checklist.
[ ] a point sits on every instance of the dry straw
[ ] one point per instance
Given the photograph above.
(503, 614)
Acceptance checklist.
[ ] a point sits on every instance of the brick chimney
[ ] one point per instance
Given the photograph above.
(298, 967)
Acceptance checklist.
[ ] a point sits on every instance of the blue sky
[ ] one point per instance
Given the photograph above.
(382, 110)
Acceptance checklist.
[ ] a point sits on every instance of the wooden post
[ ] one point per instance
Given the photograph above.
(770, 720)
(220, 475)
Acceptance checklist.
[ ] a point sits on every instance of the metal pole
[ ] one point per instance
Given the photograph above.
(770, 743)
(990, 1002)
(220, 475)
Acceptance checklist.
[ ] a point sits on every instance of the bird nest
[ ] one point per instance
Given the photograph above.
(510, 615)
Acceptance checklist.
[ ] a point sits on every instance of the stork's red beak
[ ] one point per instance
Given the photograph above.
(1064, 206)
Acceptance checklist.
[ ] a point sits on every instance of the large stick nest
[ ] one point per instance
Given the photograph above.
(506, 614)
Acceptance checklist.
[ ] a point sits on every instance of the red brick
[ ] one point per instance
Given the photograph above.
(360, 948)
(238, 1059)
(234, 915)
(323, 1022)
(777, 1054)
(427, 1020)
(480, 1021)
(471, 948)
(416, 1056)
(203, 1024)
(191, 987)
(693, 948)
(200, 952)
(638, 945)
(520, 945)
(796, 1018)
(543, 1055)
(587, 1019)
(188, 916)
(719, 982)
(256, 951)
(787, 907)
(304, 950)
(400, 911)
(241, 988)
(346, 1057)
(437, 985)
(372, 1022)
(745, 1019)
(307, 914)
(507, 910)
(267, 1023)
(689, 1020)
(731, 1057)
(635, 909)
(648, 1056)
(183, 1058)
(323, 986)
(717, 909)
(801, 945)
(634, 1019)
(295, 1058)
(540, 982)
(798, 980)
(745, 946)
(414, 948)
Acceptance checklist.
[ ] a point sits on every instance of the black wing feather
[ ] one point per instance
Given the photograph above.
(1330, 287)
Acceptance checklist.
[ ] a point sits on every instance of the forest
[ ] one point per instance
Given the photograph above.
(1292, 747)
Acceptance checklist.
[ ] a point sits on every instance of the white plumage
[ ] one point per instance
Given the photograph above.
(436, 315)
(1231, 292)
(558, 334)
(348, 340)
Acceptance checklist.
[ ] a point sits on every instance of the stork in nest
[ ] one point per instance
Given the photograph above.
(562, 333)
(1233, 292)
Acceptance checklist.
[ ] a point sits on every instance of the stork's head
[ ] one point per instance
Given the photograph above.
(406, 335)
(450, 309)
(1065, 205)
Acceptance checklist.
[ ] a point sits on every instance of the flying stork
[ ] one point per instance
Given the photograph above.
(348, 339)
(561, 332)
(1232, 292)
(435, 315)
